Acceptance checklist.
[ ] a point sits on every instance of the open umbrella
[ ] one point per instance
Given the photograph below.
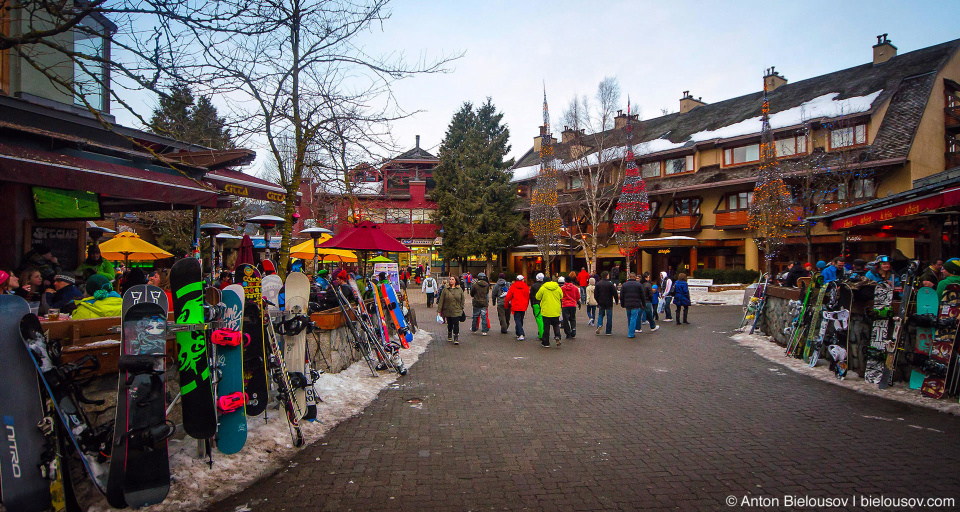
(246, 252)
(128, 246)
(381, 259)
(363, 238)
(306, 251)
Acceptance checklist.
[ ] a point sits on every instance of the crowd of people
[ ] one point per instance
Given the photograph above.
(554, 303)
(938, 274)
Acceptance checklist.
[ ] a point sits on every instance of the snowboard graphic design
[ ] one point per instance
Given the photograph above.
(395, 310)
(255, 354)
(875, 353)
(296, 296)
(927, 306)
(231, 399)
(199, 413)
(941, 352)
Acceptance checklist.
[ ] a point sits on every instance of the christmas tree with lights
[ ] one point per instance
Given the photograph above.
(545, 219)
(632, 216)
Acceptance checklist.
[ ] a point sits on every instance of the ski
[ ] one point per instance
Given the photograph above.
(255, 373)
(280, 377)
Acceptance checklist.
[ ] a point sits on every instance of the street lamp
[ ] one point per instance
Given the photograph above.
(316, 234)
(266, 222)
(212, 229)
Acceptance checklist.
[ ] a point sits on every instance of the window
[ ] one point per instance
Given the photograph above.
(791, 146)
(398, 216)
(650, 170)
(740, 201)
(741, 155)
(863, 188)
(422, 216)
(654, 206)
(848, 136)
(574, 182)
(688, 206)
(377, 215)
(678, 165)
(90, 76)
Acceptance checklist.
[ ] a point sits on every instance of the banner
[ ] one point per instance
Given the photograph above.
(393, 273)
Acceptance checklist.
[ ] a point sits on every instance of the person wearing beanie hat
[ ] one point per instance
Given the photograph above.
(499, 294)
(821, 265)
(516, 302)
(41, 257)
(535, 303)
(66, 292)
(96, 264)
(102, 301)
(8, 282)
(951, 269)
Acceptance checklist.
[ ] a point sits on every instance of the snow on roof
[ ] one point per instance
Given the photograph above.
(825, 106)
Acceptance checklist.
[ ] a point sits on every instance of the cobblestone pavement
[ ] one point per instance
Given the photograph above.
(679, 419)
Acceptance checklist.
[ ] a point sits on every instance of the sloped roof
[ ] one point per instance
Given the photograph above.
(907, 79)
(416, 153)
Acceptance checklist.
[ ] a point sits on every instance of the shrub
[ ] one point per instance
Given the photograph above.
(728, 276)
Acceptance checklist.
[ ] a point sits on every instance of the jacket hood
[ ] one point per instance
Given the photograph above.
(663, 275)
(501, 282)
(551, 285)
(592, 281)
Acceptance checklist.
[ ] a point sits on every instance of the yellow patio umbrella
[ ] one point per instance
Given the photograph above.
(306, 251)
(128, 246)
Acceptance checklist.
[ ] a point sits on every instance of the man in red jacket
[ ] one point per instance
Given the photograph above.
(571, 297)
(517, 299)
(583, 279)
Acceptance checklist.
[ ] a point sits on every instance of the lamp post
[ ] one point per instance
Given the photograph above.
(443, 266)
(212, 229)
(266, 222)
(96, 233)
(316, 233)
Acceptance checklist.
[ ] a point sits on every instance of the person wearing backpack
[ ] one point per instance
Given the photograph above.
(429, 287)
(499, 294)
(517, 301)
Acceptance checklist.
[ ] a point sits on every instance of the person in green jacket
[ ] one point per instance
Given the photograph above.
(951, 268)
(550, 296)
(102, 300)
(95, 264)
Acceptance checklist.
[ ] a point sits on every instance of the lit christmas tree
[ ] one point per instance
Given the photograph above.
(545, 219)
(632, 216)
(771, 210)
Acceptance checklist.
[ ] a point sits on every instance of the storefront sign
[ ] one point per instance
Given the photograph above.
(699, 282)
(941, 200)
(420, 241)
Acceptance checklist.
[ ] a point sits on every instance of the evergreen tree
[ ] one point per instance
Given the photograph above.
(475, 200)
(183, 117)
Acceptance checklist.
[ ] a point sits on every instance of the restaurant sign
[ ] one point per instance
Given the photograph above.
(941, 200)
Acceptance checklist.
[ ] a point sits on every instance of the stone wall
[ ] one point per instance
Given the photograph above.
(336, 351)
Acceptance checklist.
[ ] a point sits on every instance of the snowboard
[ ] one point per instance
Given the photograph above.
(22, 484)
(280, 377)
(798, 329)
(295, 321)
(941, 351)
(899, 325)
(927, 306)
(816, 319)
(271, 287)
(139, 462)
(255, 381)
(61, 384)
(196, 391)
(874, 353)
(828, 307)
(395, 311)
(231, 399)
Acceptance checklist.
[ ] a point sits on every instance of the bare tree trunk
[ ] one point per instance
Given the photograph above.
(490, 265)
(626, 269)
(809, 235)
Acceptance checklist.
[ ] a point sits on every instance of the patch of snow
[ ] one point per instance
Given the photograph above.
(101, 343)
(725, 298)
(195, 485)
(764, 347)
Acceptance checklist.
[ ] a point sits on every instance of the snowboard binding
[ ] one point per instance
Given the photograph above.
(232, 402)
(149, 438)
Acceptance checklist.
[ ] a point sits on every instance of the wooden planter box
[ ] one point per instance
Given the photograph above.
(330, 319)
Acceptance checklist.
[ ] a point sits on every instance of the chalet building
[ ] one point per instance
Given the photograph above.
(394, 194)
(56, 152)
(843, 140)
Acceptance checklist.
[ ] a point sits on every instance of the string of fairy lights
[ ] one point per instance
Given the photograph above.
(632, 215)
(770, 215)
(545, 222)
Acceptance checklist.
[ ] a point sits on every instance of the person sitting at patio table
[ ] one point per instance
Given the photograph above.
(95, 264)
(102, 301)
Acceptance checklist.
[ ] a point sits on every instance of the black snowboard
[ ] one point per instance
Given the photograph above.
(22, 486)
(197, 402)
(255, 380)
(141, 428)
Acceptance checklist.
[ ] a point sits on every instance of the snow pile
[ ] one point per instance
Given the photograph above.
(195, 484)
(724, 298)
(773, 352)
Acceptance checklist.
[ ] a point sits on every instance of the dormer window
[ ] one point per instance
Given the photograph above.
(791, 146)
(848, 136)
(678, 165)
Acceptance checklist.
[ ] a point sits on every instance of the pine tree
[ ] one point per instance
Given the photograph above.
(183, 117)
(475, 200)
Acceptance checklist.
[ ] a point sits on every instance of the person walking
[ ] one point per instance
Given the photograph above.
(450, 307)
(615, 273)
(631, 298)
(480, 292)
(648, 299)
(569, 304)
(429, 287)
(583, 279)
(606, 295)
(550, 296)
(516, 301)
(535, 303)
(591, 301)
(666, 294)
(499, 294)
(681, 297)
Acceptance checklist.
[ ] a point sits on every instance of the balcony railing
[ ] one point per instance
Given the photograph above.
(680, 223)
(732, 219)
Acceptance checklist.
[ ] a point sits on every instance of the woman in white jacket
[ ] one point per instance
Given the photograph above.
(429, 287)
(666, 295)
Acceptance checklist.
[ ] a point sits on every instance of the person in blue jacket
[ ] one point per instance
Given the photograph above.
(883, 271)
(681, 297)
(834, 270)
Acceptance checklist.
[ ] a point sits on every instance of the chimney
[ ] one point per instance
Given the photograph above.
(688, 103)
(773, 80)
(884, 50)
(418, 143)
(621, 119)
(539, 138)
(567, 134)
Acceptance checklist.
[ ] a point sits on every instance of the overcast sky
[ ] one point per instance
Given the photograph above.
(716, 50)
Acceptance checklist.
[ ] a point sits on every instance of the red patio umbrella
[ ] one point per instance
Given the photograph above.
(363, 238)
(246, 252)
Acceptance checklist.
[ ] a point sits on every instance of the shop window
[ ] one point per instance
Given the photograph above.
(398, 216)
(687, 206)
(791, 146)
(739, 201)
(650, 170)
(741, 155)
(848, 136)
(422, 215)
(678, 165)
(377, 215)
(574, 183)
(860, 188)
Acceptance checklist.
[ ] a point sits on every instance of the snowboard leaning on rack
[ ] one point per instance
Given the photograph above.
(899, 326)
(255, 381)
(197, 403)
(139, 463)
(231, 399)
(875, 353)
(926, 318)
(941, 360)
(295, 321)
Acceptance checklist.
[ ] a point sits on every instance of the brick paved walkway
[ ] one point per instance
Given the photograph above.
(674, 420)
